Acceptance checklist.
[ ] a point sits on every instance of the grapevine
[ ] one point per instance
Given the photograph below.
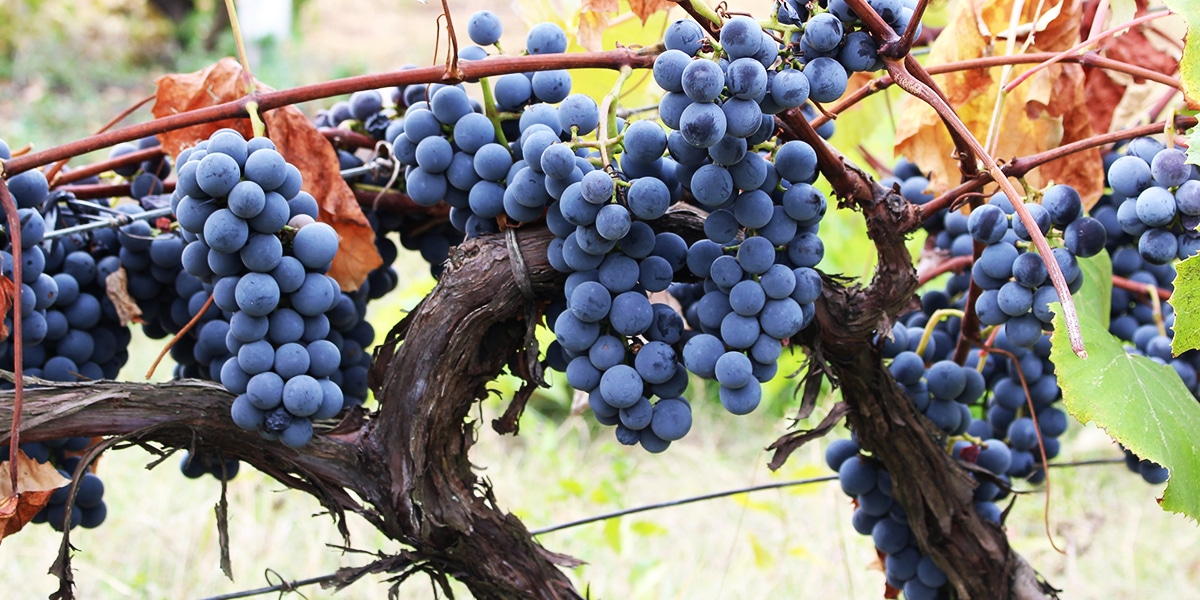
(674, 255)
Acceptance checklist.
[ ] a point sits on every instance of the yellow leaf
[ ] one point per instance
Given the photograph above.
(1048, 110)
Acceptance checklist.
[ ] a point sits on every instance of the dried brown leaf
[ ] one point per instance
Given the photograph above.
(7, 290)
(297, 140)
(115, 285)
(35, 483)
(1048, 110)
(592, 24)
(644, 8)
(183, 92)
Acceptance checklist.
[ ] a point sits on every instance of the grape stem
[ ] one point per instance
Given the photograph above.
(947, 265)
(182, 332)
(1045, 464)
(8, 203)
(489, 110)
(1020, 166)
(1081, 46)
(1087, 60)
(934, 319)
(1141, 288)
(919, 89)
(468, 70)
(608, 112)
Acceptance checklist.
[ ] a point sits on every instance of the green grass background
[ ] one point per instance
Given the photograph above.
(160, 538)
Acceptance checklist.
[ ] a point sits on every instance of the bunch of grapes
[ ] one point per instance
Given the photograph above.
(878, 515)
(253, 237)
(1156, 194)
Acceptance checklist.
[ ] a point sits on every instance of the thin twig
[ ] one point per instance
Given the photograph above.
(499, 65)
(8, 203)
(915, 87)
(182, 332)
(1080, 47)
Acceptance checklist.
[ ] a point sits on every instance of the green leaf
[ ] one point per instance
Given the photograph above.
(1095, 297)
(612, 534)
(1189, 65)
(647, 528)
(1193, 151)
(1186, 302)
(1142, 404)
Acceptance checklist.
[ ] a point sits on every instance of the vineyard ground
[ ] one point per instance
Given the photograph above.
(160, 539)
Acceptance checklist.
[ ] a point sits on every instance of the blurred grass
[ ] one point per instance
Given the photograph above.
(160, 538)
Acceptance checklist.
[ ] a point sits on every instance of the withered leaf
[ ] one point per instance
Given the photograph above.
(35, 483)
(644, 8)
(1047, 111)
(7, 291)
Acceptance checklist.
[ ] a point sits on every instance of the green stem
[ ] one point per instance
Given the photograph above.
(489, 109)
(706, 11)
(937, 316)
(609, 107)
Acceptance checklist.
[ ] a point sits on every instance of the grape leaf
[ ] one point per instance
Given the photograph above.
(644, 9)
(36, 482)
(298, 141)
(1095, 297)
(1189, 65)
(1185, 299)
(7, 295)
(594, 17)
(1141, 404)
(1046, 111)
(1193, 151)
(1117, 97)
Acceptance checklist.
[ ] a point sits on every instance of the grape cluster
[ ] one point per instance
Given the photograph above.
(253, 237)
(88, 509)
(71, 331)
(1156, 194)
(1017, 292)
(878, 515)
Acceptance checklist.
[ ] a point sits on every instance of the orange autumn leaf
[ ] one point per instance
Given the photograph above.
(594, 16)
(35, 483)
(644, 8)
(7, 291)
(1048, 110)
(297, 140)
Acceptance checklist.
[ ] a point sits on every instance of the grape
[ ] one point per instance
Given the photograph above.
(827, 79)
(746, 79)
(988, 224)
(823, 32)
(1085, 237)
(702, 124)
(703, 80)
(1129, 175)
(790, 88)
(579, 112)
(796, 161)
(668, 70)
(741, 37)
(733, 370)
(684, 35)
(217, 174)
(1158, 246)
(484, 28)
(546, 38)
(551, 86)
(1040, 216)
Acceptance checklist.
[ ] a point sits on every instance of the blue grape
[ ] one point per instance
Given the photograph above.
(484, 28)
